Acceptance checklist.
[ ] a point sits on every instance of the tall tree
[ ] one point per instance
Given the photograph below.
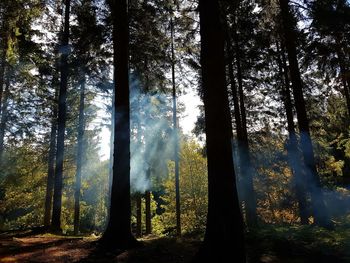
(138, 215)
(175, 130)
(330, 23)
(148, 204)
(51, 160)
(80, 152)
(118, 233)
(243, 144)
(87, 40)
(4, 116)
(237, 19)
(224, 220)
(294, 157)
(61, 123)
(312, 178)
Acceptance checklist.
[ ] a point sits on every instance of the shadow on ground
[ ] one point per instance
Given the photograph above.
(280, 245)
(50, 248)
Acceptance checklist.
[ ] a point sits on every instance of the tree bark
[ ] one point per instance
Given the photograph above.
(148, 213)
(61, 125)
(148, 206)
(111, 151)
(320, 213)
(4, 117)
(246, 166)
(138, 215)
(2, 73)
(294, 157)
(80, 153)
(118, 233)
(224, 240)
(345, 80)
(233, 86)
(51, 163)
(176, 137)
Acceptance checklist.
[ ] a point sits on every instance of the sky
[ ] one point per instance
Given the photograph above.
(190, 100)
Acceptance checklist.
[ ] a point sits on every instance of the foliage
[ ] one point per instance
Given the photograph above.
(193, 191)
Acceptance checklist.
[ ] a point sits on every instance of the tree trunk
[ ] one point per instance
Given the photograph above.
(118, 233)
(224, 240)
(80, 152)
(148, 206)
(313, 183)
(138, 215)
(346, 90)
(176, 137)
(294, 157)
(345, 80)
(148, 213)
(111, 151)
(233, 86)
(51, 163)
(246, 166)
(2, 73)
(61, 126)
(4, 117)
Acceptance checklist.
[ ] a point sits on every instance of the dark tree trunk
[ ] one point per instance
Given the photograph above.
(61, 125)
(224, 240)
(4, 117)
(80, 152)
(138, 215)
(148, 205)
(320, 212)
(246, 166)
(345, 80)
(139, 195)
(294, 157)
(2, 72)
(148, 213)
(51, 163)
(118, 233)
(233, 86)
(111, 151)
(344, 71)
(346, 91)
(176, 138)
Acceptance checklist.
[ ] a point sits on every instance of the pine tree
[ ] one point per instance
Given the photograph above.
(118, 233)
(61, 123)
(224, 219)
(312, 178)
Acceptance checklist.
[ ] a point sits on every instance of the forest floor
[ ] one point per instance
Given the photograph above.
(267, 245)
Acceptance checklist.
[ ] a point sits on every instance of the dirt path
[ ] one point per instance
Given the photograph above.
(64, 249)
(44, 249)
(49, 248)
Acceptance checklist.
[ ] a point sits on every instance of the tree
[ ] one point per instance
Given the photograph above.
(224, 220)
(312, 178)
(148, 218)
(16, 50)
(51, 160)
(235, 54)
(61, 123)
(292, 144)
(194, 190)
(118, 233)
(175, 130)
(88, 63)
(330, 31)
(81, 129)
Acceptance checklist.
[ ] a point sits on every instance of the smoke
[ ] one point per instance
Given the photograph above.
(275, 185)
(152, 136)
